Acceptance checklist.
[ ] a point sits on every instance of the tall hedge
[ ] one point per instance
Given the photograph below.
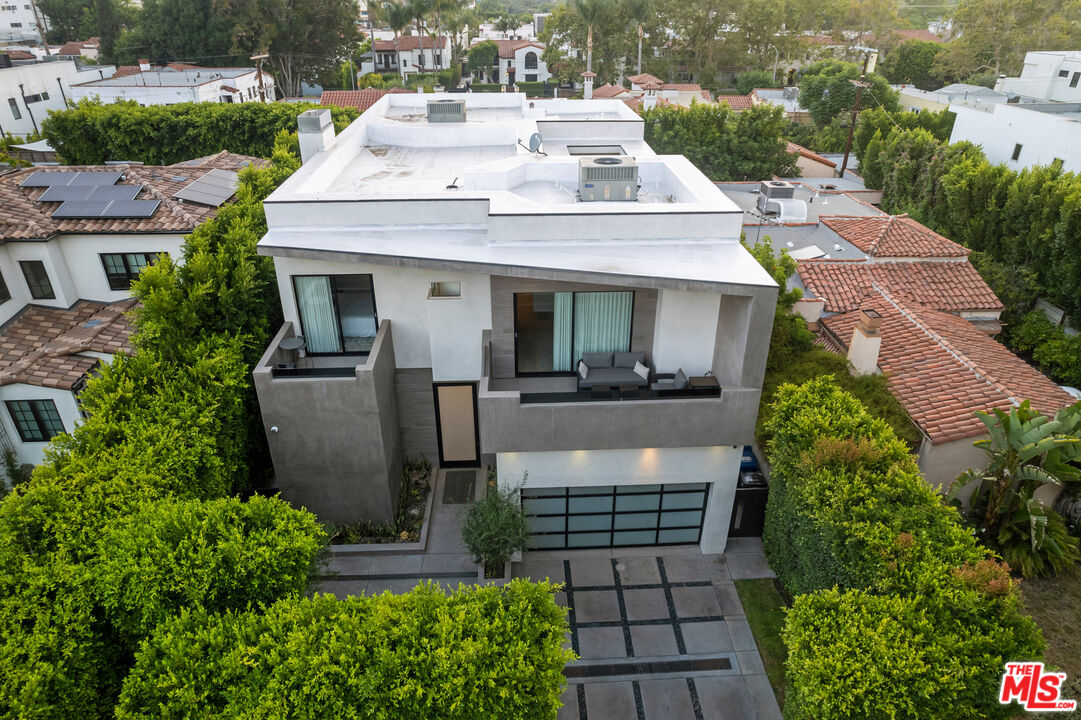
(898, 611)
(92, 132)
(482, 652)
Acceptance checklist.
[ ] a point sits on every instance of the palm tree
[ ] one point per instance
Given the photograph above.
(639, 11)
(398, 17)
(1026, 450)
(505, 24)
(592, 13)
(419, 10)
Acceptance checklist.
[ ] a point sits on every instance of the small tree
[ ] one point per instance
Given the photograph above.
(748, 81)
(482, 56)
(495, 527)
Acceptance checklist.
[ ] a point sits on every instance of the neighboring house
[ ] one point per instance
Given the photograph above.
(682, 94)
(66, 267)
(961, 94)
(404, 55)
(1023, 134)
(786, 98)
(810, 163)
(1047, 75)
(738, 103)
(179, 83)
(444, 284)
(359, 99)
(80, 49)
(30, 89)
(520, 60)
(19, 24)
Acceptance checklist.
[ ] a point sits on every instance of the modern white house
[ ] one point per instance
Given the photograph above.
(30, 89)
(179, 83)
(1023, 134)
(1048, 75)
(19, 23)
(71, 241)
(411, 54)
(582, 317)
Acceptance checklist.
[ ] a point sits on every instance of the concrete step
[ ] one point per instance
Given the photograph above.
(393, 567)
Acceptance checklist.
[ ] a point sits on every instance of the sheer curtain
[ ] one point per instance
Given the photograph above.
(318, 320)
(602, 322)
(563, 319)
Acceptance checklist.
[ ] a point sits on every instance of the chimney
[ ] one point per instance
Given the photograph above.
(315, 131)
(144, 65)
(865, 344)
(588, 76)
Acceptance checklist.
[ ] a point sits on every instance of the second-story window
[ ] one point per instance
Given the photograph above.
(37, 280)
(531, 61)
(122, 268)
(5, 294)
(16, 113)
(337, 313)
(36, 420)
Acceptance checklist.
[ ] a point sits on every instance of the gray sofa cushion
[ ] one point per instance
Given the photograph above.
(628, 359)
(598, 360)
(613, 377)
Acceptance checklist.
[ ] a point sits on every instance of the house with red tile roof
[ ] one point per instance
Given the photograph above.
(72, 239)
(810, 163)
(359, 99)
(81, 48)
(411, 53)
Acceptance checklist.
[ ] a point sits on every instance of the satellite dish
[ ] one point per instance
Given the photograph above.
(534, 142)
(608, 161)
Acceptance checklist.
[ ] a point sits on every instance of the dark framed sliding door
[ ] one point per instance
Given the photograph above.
(456, 424)
(552, 330)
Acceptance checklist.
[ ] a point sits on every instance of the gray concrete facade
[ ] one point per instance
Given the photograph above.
(335, 440)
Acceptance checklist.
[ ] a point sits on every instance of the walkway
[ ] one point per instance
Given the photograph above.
(660, 633)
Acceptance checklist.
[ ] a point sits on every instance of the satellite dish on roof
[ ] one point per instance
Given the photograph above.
(534, 144)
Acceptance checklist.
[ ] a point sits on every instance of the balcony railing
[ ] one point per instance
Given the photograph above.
(283, 358)
(615, 394)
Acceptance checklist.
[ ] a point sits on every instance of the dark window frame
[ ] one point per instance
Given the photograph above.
(337, 311)
(42, 430)
(574, 364)
(530, 60)
(15, 111)
(1074, 79)
(1016, 151)
(118, 281)
(5, 292)
(37, 290)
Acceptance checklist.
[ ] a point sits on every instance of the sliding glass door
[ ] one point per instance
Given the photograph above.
(337, 313)
(554, 329)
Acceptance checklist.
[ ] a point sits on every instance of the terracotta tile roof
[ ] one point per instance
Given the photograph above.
(123, 70)
(41, 345)
(682, 87)
(827, 342)
(23, 218)
(895, 236)
(507, 48)
(635, 103)
(706, 95)
(943, 369)
(950, 286)
(736, 102)
(359, 99)
(642, 79)
(20, 55)
(223, 160)
(410, 42)
(809, 154)
(608, 91)
(72, 48)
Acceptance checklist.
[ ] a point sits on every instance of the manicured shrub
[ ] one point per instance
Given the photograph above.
(92, 132)
(495, 527)
(482, 652)
(880, 565)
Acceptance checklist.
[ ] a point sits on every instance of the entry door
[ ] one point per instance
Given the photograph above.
(456, 424)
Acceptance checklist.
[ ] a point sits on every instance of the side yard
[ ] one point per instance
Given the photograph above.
(1055, 605)
(764, 606)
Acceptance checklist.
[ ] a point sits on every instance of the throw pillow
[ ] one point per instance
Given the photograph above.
(583, 370)
(680, 381)
(641, 370)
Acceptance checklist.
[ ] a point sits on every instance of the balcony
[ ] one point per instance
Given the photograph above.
(283, 358)
(541, 414)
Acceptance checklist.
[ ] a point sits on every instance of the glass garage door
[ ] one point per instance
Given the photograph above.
(615, 516)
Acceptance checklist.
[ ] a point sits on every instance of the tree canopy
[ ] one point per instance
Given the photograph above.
(827, 90)
(915, 62)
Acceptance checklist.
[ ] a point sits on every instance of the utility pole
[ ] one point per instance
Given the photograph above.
(259, 72)
(860, 85)
(41, 27)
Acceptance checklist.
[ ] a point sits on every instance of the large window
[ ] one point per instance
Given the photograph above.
(531, 60)
(337, 313)
(16, 113)
(554, 329)
(36, 420)
(5, 294)
(37, 279)
(122, 268)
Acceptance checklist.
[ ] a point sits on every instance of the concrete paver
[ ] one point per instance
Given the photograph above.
(666, 699)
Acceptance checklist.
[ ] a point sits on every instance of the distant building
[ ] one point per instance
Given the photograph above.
(18, 23)
(80, 49)
(1052, 76)
(786, 98)
(29, 89)
(179, 83)
(411, 54)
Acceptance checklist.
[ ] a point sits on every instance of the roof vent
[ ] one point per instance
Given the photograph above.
(446, 111)
(607, 179)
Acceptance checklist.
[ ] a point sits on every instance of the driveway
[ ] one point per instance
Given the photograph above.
(660, 633)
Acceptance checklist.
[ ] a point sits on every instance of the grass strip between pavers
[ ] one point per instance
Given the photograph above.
(764, 606)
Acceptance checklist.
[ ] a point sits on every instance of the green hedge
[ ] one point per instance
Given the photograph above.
(880, 566)
(482, 652)
(92, 132)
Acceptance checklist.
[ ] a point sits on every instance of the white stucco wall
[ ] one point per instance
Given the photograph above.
(59, 275)
(83, 257)
(941, 464)
(55, 78)
(685, 331)
(646, 466)
(1042, 136)
(166, 94)
(31, 452)
(442, 334)
(16, 285)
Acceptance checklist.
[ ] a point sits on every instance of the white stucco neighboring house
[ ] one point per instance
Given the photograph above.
(30, 89)
(179, 83)
(1023, 134)
(1050, 75)
(411, 54)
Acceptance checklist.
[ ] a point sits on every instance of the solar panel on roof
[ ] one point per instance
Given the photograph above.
(60, 193)
(47, 178)
(114, 192)
(131, 209)
(212, 189)
(81, 209)
(96, 178)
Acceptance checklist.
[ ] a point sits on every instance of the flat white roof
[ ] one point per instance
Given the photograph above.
(167, 77)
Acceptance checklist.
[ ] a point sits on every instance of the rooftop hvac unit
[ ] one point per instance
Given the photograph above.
(607, 179)
(774, 190)
(790, 93)
(446, 111)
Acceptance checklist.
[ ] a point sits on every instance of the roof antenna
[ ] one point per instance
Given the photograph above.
(453, 184)
(534, 144)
